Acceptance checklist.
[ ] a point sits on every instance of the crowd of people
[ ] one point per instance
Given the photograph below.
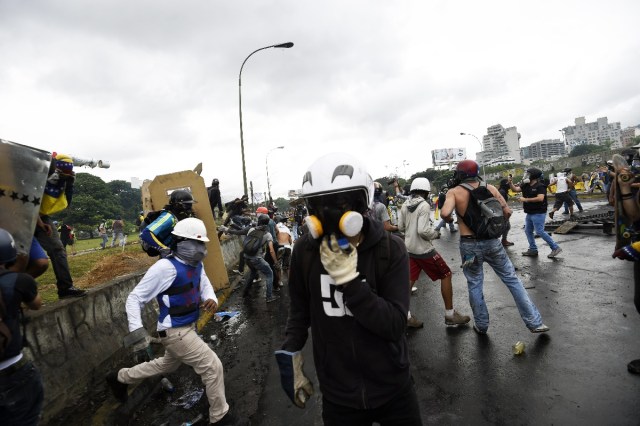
(344, 249)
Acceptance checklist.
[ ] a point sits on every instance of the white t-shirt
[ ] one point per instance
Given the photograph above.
(561, 183)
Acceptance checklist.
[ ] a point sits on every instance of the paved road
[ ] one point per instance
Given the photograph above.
(575, 374)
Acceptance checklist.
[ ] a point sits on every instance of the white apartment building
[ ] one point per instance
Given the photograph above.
(594, 133)
(628, 134)
(500, 146)
(545, 149)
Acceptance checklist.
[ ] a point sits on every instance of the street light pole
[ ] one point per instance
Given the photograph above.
(266, 161)
(244, 168)
(481, 147)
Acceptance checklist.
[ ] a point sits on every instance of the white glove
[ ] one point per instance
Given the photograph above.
(297, 386)
(222, 228)
(340, 264)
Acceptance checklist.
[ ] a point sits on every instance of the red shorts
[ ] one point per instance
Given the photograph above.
(435, 267)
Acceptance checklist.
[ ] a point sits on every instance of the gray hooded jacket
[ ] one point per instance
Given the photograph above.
(415, 222)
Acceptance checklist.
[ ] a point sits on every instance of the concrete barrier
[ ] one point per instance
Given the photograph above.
(75, 341)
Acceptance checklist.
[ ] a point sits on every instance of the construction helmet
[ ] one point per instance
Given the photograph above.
(420, 184)
(262, 210)
(191, 229)
(7, 247)
(181, 196)
(466, 169)
(339, 173)
(263, 219)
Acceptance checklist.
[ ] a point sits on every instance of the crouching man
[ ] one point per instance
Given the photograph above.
(179, 284)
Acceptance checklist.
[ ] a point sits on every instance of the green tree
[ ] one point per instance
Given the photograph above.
(584, 150)
(128, 198)
(92, 203)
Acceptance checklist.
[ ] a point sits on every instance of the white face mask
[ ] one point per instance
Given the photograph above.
(191, 251)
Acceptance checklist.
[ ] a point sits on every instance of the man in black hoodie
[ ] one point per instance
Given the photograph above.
(348, 283)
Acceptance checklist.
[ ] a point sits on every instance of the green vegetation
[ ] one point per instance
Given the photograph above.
(95, 201)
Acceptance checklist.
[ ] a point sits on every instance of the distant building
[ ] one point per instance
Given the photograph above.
(545, 149)
(500, 146)
(136, 183)
(594, 133)
(628, 134)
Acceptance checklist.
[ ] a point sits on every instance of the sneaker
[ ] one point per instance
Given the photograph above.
(453, 231)
(532, 253)
(456, 319)
(281, 284)
(634, 366)
(413, 322)
(554, 253)
(228, 420)
(257, 280)
(506, 243)
(237, 271)
(272, 298)
(477, 330)
(71, 292)
(118, 389)
(541, 329)
(551, 215)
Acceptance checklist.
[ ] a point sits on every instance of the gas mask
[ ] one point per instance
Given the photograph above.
(526, 178)
(331, 216)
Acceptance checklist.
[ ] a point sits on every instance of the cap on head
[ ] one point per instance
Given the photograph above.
(567, 170)
(64, 163)
(8, 251)
(420, 184)
(215, 182)
(467, 169)
(534, 173)
(263, 219)
(181, 196)
(191, 229)
(339, 173)
(262, 210)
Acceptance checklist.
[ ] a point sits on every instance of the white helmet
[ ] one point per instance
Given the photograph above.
(192, 229)
(335, 173)
(420, 184)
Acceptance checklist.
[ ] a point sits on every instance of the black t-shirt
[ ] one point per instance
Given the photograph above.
(16, 288)
(529, 191)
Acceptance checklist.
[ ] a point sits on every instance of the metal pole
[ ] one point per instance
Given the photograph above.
(244, 168)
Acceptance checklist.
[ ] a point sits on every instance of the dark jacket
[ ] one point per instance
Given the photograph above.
(360, 348)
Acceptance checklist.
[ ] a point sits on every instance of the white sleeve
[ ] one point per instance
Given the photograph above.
(157, 279)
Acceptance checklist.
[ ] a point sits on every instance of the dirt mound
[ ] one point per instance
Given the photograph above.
(111, 267)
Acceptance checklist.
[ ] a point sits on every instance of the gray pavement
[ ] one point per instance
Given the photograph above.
(575, 374)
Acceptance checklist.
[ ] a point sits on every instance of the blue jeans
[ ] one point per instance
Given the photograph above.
(492, 252)
(574, 196)
(536, 221)
(258, 264)
(21, 397)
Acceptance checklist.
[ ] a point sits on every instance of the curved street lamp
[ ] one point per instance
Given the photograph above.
(481, 147)
(266, 161)
(244, 169)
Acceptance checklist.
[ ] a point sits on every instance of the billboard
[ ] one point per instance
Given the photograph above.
(445, 156)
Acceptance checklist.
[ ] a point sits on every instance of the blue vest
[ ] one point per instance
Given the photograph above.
(184, 295)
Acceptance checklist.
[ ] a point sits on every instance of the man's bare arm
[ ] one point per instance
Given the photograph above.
(448, 206)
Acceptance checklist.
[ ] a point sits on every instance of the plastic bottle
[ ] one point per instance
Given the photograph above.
(518, 348)
(167, 386)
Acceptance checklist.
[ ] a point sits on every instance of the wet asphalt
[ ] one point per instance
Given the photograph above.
(575, 374)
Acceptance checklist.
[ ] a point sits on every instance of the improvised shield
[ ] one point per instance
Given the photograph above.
(23, 174)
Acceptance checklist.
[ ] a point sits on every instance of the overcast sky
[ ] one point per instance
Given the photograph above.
(152, 85)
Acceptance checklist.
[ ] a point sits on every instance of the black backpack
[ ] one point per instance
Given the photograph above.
(253, 242)
(484, 215)
(5, 331)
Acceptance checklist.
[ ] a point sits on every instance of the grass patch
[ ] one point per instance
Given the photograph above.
(91, 268)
